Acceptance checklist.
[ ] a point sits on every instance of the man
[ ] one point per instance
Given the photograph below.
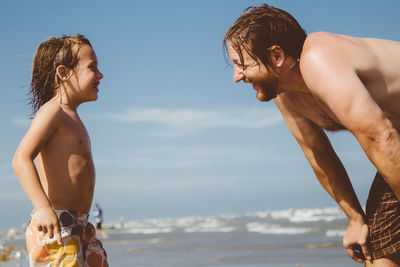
(332, 82)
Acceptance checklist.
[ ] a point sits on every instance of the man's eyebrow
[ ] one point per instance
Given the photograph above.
(238, 62)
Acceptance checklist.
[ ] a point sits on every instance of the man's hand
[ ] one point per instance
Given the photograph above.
(355, 241)
(47, 223)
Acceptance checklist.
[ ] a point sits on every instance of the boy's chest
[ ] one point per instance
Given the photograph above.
(74, 135)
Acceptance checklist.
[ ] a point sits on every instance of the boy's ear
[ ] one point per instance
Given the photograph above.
(63, 73)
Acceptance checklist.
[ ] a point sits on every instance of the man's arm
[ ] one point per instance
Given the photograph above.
(333, 79)
(42, 128)
(331, 174)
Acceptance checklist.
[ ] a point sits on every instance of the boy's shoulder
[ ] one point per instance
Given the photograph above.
(50, 108)
(49, 112)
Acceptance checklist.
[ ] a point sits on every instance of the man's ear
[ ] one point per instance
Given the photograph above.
(63, 73)
(277, 56)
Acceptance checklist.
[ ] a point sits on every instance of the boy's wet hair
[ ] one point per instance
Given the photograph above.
(49, 55)
(259, 28)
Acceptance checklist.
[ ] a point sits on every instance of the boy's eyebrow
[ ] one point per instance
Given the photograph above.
(93, 61)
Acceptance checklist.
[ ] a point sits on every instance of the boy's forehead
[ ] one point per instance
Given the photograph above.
(86, 52)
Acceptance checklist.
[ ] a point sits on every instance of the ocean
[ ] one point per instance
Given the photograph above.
(299, 238)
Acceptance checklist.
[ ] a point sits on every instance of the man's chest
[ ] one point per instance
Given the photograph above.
(305, 105)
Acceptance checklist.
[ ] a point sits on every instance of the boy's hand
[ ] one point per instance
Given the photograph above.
(47, 222)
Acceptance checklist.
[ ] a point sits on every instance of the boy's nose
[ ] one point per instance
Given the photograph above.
(100, 75)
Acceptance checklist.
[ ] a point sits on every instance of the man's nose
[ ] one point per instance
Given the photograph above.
(237, 74)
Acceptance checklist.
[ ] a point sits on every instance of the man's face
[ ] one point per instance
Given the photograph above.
(252, 71)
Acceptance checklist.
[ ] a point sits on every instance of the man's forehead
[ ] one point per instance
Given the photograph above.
(232, 52)
(235, 53)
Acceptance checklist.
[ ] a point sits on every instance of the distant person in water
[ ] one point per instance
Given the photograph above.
(122, 222)
(332, 82)
(54, 162)
(98, 216)
(98, 219)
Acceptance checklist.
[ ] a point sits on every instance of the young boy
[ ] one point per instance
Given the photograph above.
(53, 161)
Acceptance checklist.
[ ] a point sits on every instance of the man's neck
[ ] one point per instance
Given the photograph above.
(292, 80)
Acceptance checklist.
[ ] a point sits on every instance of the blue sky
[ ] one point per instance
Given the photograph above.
(172, 134)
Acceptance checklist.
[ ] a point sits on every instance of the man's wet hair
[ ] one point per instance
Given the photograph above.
(259, 28)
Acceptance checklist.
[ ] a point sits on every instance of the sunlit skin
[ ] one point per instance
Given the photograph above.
(341, 82)
(64, 174)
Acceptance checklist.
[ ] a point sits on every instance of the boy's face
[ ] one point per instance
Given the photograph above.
(86, 77)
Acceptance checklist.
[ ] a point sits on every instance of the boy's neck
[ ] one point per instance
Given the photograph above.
(66, 101)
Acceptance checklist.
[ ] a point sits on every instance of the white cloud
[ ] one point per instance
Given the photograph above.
(21, 121)
(195, 167)
(194, 157)
(186, 121)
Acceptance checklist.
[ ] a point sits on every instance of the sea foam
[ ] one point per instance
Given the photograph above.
(264, 228)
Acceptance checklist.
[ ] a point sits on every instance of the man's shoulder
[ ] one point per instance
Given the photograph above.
(317, 39)
(317, 36)
(322, 44)
(321, 39)
(325, 54)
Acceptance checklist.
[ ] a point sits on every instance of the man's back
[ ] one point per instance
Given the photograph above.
(374, 62)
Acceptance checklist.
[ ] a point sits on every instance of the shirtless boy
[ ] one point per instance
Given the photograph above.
(53, 161)
(332, 82)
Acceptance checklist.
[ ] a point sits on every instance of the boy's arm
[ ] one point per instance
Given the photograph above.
(331, 174)
(43, 126)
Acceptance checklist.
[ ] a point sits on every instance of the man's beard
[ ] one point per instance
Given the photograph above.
(269, 89)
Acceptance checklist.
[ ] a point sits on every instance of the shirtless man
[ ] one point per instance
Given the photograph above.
(332, 82)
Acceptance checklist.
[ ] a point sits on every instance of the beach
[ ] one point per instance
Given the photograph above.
(301, 237)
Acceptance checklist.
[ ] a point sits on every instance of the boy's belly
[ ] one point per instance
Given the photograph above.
(69, 184)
